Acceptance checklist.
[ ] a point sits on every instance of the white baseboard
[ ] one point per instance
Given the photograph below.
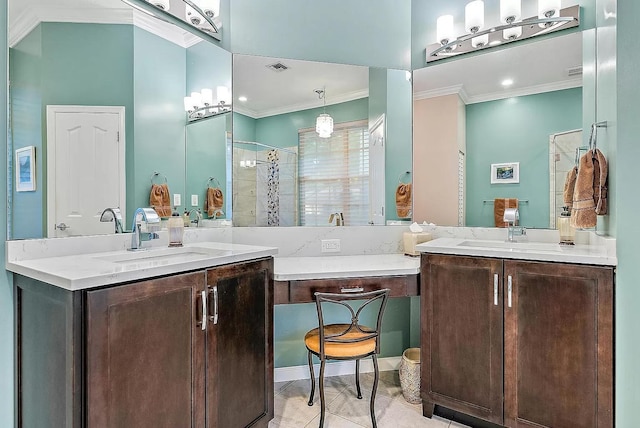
(335, 368)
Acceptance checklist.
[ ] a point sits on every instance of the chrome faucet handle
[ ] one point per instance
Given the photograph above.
(148, 216)
(511, 216)
(113, 214)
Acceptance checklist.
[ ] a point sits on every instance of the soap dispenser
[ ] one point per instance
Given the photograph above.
(567, 232)
(176, 229)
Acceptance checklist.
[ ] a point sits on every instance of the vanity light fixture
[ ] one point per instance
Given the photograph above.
(200, 105)
(510, 28)
(324, 122)
(203, 15)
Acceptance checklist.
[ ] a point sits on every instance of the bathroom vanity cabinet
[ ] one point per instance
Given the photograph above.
(186, 350)
(517, 343)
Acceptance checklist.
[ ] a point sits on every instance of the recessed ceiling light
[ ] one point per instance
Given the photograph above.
(242, 98)
(507, 82)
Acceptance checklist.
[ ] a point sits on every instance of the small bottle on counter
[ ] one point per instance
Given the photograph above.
(176, 229)
(185, 218)
(567, 232)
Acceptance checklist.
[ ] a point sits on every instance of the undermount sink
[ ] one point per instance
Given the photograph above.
(181, 254)
(513, 246)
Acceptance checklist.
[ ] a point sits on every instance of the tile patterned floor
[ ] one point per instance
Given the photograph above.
(344, 410)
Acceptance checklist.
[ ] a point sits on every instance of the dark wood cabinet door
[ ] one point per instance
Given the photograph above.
(461, 335)
(558, 345)
(145, 354)
(239, 350)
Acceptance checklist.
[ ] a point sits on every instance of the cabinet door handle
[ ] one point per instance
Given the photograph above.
(495, 289)
(204, 310)
(214, 318)
(509, 289)
(352, 290)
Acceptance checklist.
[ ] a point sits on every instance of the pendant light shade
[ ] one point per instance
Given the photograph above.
(161, 4)
(324, 122)
(480, 41)
(512, 33)
(324, 125)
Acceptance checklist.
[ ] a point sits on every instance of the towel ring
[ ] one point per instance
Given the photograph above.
(157, 174)
(400, 177)
(215, 182)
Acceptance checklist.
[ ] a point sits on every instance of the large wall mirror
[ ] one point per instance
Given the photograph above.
(116, 78)
(286, 174)
(521, 108)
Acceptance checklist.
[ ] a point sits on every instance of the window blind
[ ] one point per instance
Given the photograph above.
(334, 174)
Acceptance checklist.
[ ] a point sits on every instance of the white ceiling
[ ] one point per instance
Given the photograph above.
(269, 92)
(537, 66)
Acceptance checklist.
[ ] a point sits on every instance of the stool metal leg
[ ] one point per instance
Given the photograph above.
(358, 379)
(321, 383)
(313, 380)
(375, 388)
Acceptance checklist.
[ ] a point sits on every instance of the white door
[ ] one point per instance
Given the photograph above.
(85, 168)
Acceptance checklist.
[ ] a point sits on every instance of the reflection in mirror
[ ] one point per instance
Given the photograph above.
(101, 61)
(506, 106)
(285, 173)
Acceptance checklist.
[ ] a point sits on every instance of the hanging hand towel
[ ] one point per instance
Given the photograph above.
(583, 212)
(159, 199)
(600, 171)
(214, 202)
(403, 200)
(569, 187)
(499, 205)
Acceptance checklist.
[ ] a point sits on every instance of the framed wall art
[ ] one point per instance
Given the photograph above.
(25, 167)
(505, 173)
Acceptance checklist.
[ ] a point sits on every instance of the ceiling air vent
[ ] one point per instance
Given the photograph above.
(574, 71)
(278, 67)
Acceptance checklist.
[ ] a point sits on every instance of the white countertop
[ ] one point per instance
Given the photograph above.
(82, 271)
(301, 268)
(535, 251)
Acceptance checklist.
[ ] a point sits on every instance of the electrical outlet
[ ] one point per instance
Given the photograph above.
(194, 200)
(330, 245)
(177, 200)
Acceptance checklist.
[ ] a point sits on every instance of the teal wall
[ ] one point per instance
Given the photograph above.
(516, 130)
(159, 74)
(6, 287)
(205, 137)
(398, 152)
(67, 64)
(244, 127)
(377, 32)
(627, 353)
(27, 130)
(425, 13)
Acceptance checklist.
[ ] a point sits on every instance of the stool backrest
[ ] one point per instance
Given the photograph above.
(355, 303)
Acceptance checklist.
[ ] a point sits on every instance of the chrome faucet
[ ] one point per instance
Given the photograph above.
(114, 215)
(198, 219)
(338, 217)
(511, 217)
(149, 216)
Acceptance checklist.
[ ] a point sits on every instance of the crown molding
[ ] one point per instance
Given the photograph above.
(440, 92)
(245, 111)
(529, 90)
(30, 18)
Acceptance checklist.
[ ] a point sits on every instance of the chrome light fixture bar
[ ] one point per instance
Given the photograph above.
(511, 31)
(201, 21)
(201, 105)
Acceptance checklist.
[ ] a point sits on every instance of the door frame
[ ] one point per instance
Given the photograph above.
(52, 110)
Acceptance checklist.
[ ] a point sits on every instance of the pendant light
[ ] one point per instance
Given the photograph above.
(324, 122)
